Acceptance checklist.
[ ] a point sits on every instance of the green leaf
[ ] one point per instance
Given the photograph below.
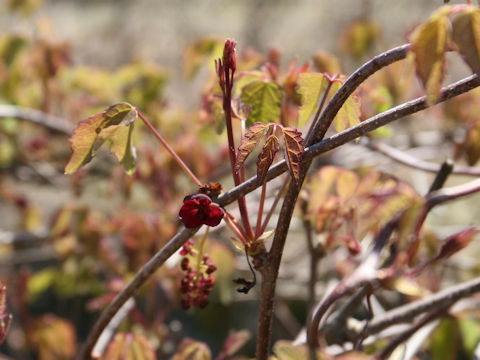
(264, 99)
(349, 113)
(293, 150)
(128, 346)
(466, 35)
(196, 53)
(249, 141)
(310, 87)
(266, 156)
(470, 330)
(192, 350)
(115, 125)
(445, 340)
(429, 44)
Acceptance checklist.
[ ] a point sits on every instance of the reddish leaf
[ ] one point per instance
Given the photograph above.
(266, 156)
(128, 346)
(249, 141)
(115, 124)
(466, 35)
(233, 343)
(293, 150)
(456, 242)
(429, 44)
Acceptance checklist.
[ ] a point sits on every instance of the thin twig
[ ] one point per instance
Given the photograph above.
(406, 313)
(404, 336)
(419, 164)
(37, 117)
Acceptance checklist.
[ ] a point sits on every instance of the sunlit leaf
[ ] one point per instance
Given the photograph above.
(293, 150)
(429, 44)
(347, 182)
(266, 156)
(310, 87)
(264, 99)
(192, 350)
(321, 185)
(114, 125)
(128, 346)
(249, 141)
(466, 35)
(349, 113)
(285, 350)
(471, 144)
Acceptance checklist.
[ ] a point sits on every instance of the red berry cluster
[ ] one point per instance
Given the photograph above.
(198, 280)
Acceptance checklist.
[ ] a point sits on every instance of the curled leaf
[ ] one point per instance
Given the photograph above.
(115, 124)
(266, 156)
(293, 150)
(429, 44)
(249, 141)
(456, 242)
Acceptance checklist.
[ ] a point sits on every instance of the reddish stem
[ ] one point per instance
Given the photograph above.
(170, 149)
(258, 227)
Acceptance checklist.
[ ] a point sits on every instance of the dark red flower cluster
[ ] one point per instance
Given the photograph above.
(197, 284)
(199, 210)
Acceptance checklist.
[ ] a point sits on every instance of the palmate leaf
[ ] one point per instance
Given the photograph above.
(429, 44)
(115, 125)
(266, 156)
(249, 142)
(466, 35)
(293, 150)
(264, 99)
(310, 87)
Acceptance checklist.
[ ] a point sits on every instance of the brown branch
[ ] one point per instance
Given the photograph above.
(415, 163)
(131, 289)
(36, 116)
(408, 312)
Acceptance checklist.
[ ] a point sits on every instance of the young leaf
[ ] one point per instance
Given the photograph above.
(266, 156)
(429, 43)
(293, 150)
(249, 141)
(264, 100)
(349, 113)
(114, 124)
(466, 35)
(310, 87)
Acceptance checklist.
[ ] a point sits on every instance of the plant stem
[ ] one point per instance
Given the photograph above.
(275, 203)
(237, 176)
(258, 227)
(170, 149)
